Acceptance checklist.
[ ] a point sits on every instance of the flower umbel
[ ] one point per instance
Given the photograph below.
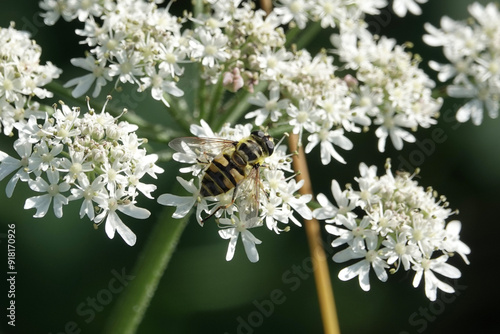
(22, 77)
(394, 224)
(95, 158)
(472, 49)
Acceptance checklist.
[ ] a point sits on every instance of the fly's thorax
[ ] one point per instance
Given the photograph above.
(254, 149)
(248, 152)
(265, 141)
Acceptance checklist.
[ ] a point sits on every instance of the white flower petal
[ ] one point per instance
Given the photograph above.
(249, 242)
(346, 255)
(447, 270)
(417, 278)
(134, 211)
(364, 276)
(183, 204)
(378, 267)
(115, 223)
(59, 201)
(41, 203)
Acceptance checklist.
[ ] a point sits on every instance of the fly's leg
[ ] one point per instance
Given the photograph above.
(233, 198)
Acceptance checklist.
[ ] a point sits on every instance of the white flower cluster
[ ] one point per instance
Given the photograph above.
(93, 158)
(239, 47)
(473, 51)
(389, 223)
(21, 78)
(132, 41)
(329, 13)
(276, 194)
(392, 88)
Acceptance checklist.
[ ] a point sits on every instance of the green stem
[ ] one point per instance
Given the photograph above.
(236, 106)
(216, 100)
(197, 7)
(183, 118)
(201, 97)
(232, 110)
(290, 36)
(308, 34)
(133, 302)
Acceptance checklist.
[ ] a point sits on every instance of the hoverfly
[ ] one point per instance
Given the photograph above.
(230, 165)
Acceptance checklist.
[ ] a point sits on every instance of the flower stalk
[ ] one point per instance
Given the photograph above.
(150, 266)
(312, 227)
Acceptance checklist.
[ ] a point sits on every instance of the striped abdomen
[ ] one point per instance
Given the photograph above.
(222, 175)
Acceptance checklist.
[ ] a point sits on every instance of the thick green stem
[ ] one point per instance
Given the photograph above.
(216, 100)
(133, 302)
(234, 109)
(290, 36)
(201, 100)
(307, 35)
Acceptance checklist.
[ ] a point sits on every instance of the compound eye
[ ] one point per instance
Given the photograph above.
(270, 146)
(259, 134)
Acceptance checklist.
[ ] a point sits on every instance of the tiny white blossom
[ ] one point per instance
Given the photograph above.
(391, 126)
(295, 10)
(427, 268)
(53, 195)
(370, 259)
(303, 117)
(9, 164)
(453, 243)
(355, 234)
(113, 223)
(401, 7)
(161, 83)
(183, 204)
(127, 67)
(89, 192)
(210, 48)
(99, 75)
(327, 139)
(234, 227)
(328, 210)
(270, 108)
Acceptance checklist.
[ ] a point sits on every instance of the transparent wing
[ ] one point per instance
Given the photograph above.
(247, 199)
(202, 147)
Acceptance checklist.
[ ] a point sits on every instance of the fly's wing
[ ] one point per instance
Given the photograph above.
(248, 194)
(204, 148)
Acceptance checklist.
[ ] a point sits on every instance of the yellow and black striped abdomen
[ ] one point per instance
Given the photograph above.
(222, 175)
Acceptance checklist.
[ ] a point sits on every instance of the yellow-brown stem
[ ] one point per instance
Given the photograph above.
(319, 259)
(312, 227)
(266, 5)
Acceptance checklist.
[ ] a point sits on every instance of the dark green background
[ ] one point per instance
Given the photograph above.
(63, 264)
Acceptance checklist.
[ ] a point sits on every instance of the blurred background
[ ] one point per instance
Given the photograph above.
(70, 276)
